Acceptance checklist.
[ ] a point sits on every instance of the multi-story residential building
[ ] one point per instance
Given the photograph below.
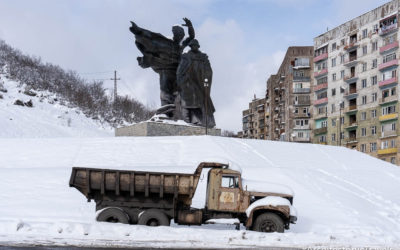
(288, 97)
(254, 119)
(356, 85)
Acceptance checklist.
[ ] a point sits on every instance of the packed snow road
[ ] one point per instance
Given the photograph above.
(343, 197)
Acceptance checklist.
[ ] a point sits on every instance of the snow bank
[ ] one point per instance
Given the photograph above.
(343, 197)
(46, 119)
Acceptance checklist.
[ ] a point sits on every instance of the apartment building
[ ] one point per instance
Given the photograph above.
(288, 97)
(254, 119)
(356, 84)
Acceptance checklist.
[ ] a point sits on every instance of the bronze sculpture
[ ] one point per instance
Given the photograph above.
(164, 55)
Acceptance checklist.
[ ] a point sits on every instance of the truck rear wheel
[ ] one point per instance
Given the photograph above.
(113, 215)
(154, 218)
(269, 223)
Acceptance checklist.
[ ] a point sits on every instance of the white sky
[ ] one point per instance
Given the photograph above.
(245, 40)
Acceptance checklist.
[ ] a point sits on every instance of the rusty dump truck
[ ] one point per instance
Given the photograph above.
(154, 198)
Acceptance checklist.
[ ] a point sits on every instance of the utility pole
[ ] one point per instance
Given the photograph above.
(115, 79)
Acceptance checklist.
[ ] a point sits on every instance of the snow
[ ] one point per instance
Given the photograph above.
(264, 186)
(268, 201)
(47, 117)
(344, 198)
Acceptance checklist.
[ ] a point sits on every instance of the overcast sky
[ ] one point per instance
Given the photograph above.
(245, 40)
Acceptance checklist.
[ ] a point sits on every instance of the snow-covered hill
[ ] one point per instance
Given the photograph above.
(49, 116)
(344, 198)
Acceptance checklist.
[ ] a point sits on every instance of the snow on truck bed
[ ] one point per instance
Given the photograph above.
(343, 197)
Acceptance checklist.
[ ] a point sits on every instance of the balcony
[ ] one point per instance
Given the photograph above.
(320, 57)
(350, 78)
(386, 65)
(302, 139)
(388, 82)
(387, 29)
(319, 131)
(387, 151)
(388, 133)
(350, 140)
(321, 101)
(351, 126)
(388, 99)
(301, 79)
(321, 86)
(302, 127)
(301, 115)
(352, 46)
(350, 62)
(301, 90)
(351, 109)
(388, 117)
(389, 47)
(320, 73)
(351, 93)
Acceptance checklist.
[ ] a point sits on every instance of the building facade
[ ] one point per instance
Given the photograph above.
(356, 84)
(288, 97)
(254, 119)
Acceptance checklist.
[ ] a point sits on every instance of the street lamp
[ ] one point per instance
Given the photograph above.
(206, 84)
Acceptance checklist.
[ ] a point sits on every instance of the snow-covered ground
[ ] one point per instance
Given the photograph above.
(47, 118)
(344, 198)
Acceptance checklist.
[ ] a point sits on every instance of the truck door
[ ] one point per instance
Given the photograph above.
(229, 193)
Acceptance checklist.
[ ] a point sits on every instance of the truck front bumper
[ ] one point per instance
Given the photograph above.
(293, 219)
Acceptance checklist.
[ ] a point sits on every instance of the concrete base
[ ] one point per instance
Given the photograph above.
(164, 129)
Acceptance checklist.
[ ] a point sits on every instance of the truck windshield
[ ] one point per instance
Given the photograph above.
(230, 181)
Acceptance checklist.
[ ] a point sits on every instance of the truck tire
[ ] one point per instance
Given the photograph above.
(113, 215)
(269, 223)
(154, 218)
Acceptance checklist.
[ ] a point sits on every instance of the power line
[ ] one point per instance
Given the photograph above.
(93, 73)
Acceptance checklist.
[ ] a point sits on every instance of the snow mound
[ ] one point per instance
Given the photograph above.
(48, 117)
(343, 197)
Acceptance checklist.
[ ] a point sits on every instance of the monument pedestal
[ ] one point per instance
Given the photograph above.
(150, 128)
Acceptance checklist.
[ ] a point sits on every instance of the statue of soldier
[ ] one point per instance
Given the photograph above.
(194, 72)
(163, 55)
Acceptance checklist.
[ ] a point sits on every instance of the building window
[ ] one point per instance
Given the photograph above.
(324, 124)
(342, 42)
(296, 110)
(333, 122)
(365, 50)
(363, 148)
(373, 130)
(334, 77)
(364, 99)
(333, 62)
(393, 160)
(364, 67)
(363, 131)
(333, 137)
(341, 135)
(342, 59)
(363, 116)
(333, 108)
(373, 113)
(364, 83)
(333, 92)
(342, 120)
(342, 74)
(374, 63)
(388, 110)
(374, 80)
(341, 91)
(364, 33)
(322, 138)
(389, 57)
(374, 97)
(372, 146)
(374, 45)
(305, 110)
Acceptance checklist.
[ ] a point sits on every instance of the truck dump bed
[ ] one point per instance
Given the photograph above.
(97, 183)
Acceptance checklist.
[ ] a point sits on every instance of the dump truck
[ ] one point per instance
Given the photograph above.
(155, 198)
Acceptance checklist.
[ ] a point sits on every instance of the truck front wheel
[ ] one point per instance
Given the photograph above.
(114, 215)
(154, 218)
(269, 223)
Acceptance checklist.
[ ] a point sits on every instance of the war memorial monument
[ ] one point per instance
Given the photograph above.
(185, 84)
